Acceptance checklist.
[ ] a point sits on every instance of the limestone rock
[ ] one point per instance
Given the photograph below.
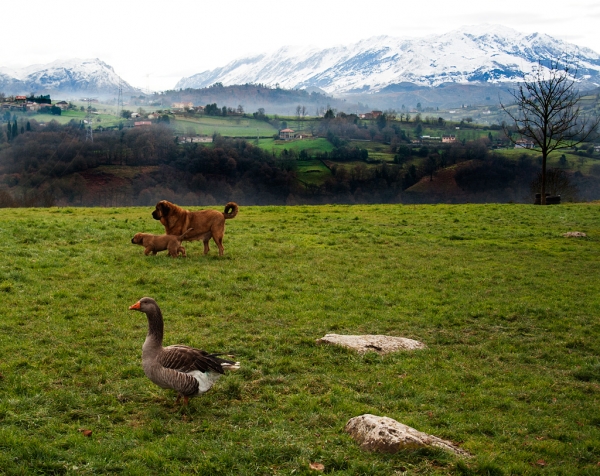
(574, 234)
(386, 435)
(372, 343)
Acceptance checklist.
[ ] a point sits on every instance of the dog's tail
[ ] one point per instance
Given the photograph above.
(231, 210)
(181, 237)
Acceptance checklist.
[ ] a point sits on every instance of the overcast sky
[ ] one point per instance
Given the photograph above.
(154, 43)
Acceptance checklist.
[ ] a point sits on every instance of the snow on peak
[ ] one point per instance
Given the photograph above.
(71, 75)
(478, 53)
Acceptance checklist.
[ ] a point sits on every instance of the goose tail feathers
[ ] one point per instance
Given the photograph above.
(230, 366)
(226, 363)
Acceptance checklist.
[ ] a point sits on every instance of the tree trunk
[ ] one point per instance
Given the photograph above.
(543, 191)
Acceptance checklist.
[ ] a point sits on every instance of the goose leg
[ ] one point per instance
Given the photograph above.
(185, 400)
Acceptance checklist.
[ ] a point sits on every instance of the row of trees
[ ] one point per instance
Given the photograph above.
(12, 130)
(57, 160)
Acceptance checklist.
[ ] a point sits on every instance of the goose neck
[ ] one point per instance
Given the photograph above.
(155, 325)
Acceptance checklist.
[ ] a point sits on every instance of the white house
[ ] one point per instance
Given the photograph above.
(287, 134)
(524, 144)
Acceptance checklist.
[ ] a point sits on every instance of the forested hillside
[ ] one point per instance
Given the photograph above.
(344, 160)
(252, 97)
(136, 166)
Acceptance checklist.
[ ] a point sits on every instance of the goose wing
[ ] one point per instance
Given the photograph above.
(187, 359)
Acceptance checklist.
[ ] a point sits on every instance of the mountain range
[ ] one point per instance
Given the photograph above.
(469, 65)
(490, 54)
(74, 77)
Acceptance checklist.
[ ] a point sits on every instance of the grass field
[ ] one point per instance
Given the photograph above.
(312, 171)
(226, 126)
(508, 308)
(377, 150)
(311, 145)
(574, 162)
(106, 119)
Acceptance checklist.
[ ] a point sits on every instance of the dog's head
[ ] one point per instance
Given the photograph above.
(162, 209)
(137, 239)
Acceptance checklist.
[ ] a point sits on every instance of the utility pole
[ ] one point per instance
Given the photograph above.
(120, 98)
(148, 83)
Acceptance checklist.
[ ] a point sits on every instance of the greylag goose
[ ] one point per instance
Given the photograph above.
(187, 370)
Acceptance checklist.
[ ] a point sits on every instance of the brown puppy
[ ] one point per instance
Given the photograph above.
(206, 224)
(155, 243)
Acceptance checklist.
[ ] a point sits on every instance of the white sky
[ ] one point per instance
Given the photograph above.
(154, 43)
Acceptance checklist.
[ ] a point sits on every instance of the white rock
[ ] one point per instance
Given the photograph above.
(372, 343)
(386, 435)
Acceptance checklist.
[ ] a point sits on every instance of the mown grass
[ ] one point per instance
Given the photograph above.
(226, 126)
(312, 171)
(574, 161)
(508, 308)
(106, 119)
(311, 145)
(377, 150)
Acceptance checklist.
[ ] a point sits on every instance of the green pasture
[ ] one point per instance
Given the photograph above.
(100, 120)
(312, 172)
(62, 119)
(508, 308)
(574, 162)
(300, 125)
(311, 145)
(234, 126)
(466, 134)
(377, 150)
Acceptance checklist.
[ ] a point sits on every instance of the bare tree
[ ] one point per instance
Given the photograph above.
(548, 113)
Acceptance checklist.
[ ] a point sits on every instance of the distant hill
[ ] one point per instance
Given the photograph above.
(69, 78)
(255, 96)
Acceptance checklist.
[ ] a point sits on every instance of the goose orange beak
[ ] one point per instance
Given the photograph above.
(136, 306)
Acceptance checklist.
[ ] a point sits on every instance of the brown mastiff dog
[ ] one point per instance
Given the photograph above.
(205, 224)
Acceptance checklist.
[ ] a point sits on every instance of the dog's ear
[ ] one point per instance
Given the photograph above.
(164, 208)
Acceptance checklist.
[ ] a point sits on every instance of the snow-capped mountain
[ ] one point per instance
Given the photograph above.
(74, 76)
(475, 54)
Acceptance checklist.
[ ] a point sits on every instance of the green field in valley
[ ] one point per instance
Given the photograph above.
(377, 150)
(573, 161)
(311, 145)
(508, 308)
(312, 171)
(100, 120)
(226, 126)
